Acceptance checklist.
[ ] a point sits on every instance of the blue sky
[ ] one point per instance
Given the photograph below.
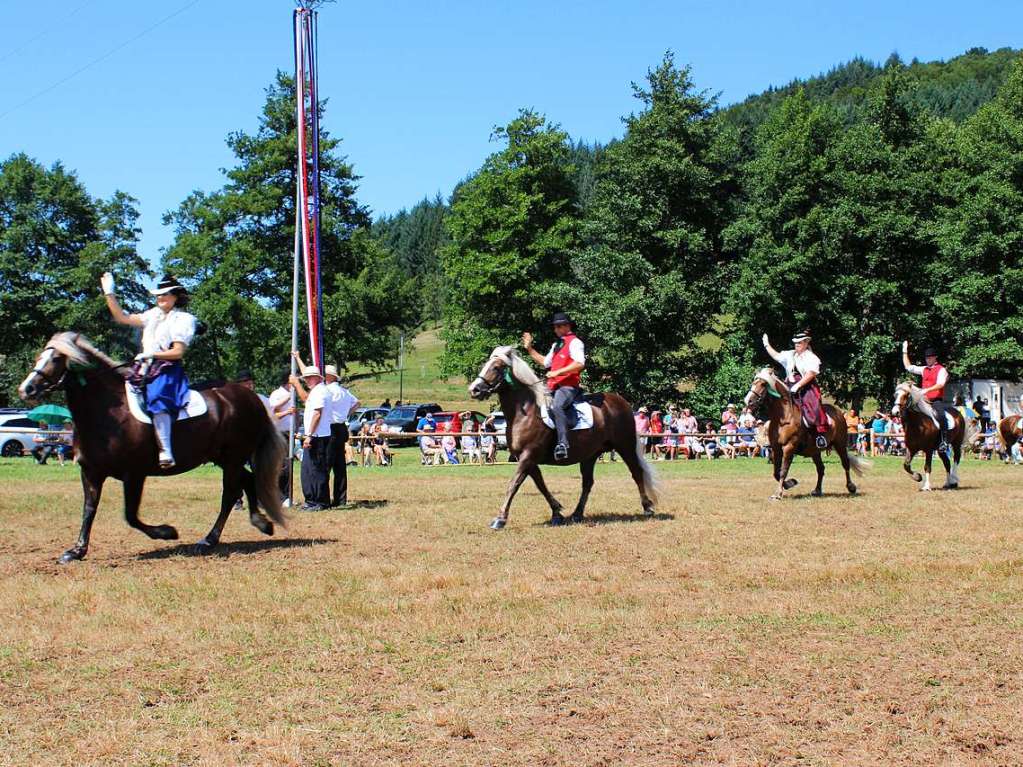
(415, 87)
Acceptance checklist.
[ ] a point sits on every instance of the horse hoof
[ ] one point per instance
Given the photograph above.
(557, 520)
(790, 483)
(71, 555)
(498, 524)
(205, 546)
(648, 511)
(952, 487)
(925, 489)
(817, 493)
(575, 519)
(917, 477)
(852, 489)
(164, 533)
(775, 497)
(261, 523)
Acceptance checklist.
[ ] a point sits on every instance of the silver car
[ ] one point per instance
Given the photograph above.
(16, 434)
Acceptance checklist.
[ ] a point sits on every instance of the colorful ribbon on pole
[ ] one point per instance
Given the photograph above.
(307, 203)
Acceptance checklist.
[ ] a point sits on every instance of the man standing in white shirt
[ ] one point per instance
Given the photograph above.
(343, 402)
(316, 446)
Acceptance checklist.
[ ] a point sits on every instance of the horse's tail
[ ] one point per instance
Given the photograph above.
(266, 466)
(859, 465)
(650, 484)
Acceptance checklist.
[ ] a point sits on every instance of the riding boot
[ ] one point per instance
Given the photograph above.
(162, 425)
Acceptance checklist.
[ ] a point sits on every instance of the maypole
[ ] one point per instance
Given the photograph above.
(307, 202)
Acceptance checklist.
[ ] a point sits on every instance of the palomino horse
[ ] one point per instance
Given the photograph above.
(920, 421)
(522, 395)
(110, 442)
(789, 437)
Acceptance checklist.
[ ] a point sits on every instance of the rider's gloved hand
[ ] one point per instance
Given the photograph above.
(107, 282)
(144, 357)
(905, 347)
(765, 341)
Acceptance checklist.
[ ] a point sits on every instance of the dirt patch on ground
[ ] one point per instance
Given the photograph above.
(881, 629)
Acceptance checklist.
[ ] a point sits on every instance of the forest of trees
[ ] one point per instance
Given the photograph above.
(872, 203)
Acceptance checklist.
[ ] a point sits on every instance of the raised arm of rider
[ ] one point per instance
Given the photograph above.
(771, 350)
(120, 316)
(527, 343)
(906, 363)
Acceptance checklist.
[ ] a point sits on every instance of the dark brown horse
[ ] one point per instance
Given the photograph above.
(1010, 431)
(789, 436)
(529, 439)
(923, 435)
(110, 442)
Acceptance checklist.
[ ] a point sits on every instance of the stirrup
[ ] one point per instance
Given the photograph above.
(822, 441)
(166, 460)
(560, 452)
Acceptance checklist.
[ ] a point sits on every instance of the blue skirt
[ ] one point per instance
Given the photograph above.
(167, 391)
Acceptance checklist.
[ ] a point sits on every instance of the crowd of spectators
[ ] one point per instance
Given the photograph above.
(675, 434)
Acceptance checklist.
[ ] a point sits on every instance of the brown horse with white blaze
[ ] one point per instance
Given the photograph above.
(111, 442)
(522, 396)
(920, 422)
(789, 436)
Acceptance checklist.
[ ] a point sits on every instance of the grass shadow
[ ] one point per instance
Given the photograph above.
(614, 517)
(234, 547)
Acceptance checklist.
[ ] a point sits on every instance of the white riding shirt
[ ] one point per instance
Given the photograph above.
(162, 329)
(799, 362)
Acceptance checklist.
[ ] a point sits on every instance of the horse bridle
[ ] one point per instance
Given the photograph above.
(486, 387)
(51, 384)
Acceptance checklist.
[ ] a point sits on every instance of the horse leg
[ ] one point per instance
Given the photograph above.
(232, 487)
(843, 456)
(639, 474)
(92, 488)
(788, 453)
(928, 456)
(907, 466)
(948, 469)
(522, 470)
(818, 462)
(132, 499)
(586, 469)
(953, 476)
(556, 508)
(256, 518)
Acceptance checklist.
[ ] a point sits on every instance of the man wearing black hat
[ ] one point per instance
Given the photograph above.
(565, 361)
(933, 376)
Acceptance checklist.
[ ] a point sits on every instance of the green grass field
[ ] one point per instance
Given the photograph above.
(880, 629)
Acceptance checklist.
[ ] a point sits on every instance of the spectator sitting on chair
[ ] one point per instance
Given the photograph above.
(470, 444)
(747, 443)
(448, 444)
(45, 444)
(711, 448)
(429, 449)
(380, 447)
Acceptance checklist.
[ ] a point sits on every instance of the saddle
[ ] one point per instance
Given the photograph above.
(583, 416)
(137, 405)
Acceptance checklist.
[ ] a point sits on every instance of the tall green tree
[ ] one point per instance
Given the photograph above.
(55, 242)
(233, 248)
(979, 279)
(837, 234)
(513, 230)
(646, 283)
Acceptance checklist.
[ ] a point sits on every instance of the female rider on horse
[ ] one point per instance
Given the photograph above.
(802, 367)
(565, 361)
(167, 331)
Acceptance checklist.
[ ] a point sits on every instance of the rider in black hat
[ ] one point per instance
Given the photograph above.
(565, 361)
(933, 376)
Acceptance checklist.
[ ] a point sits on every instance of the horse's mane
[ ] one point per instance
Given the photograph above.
(522, 373)
(80, 351)
(768, 375)
(918, 400)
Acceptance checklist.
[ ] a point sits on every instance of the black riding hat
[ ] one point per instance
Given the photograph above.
(930, 351)
(243, 376)
(560, 318)
(169, 284)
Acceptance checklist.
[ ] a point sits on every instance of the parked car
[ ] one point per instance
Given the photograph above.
(20, 442)
(359, 416)
(446, 416)
(406, 417)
